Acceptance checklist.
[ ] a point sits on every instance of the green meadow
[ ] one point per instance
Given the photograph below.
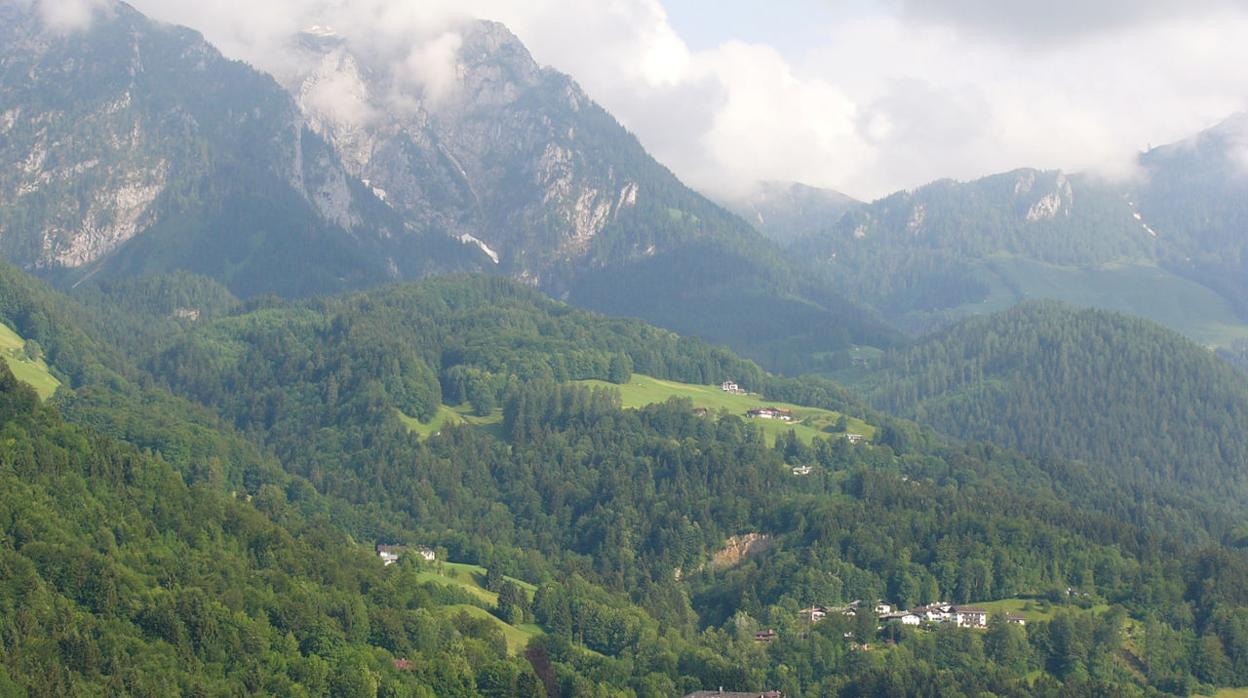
(517, 636)
(470, 578)
(808, 422)
(452, 415)
(32, 371)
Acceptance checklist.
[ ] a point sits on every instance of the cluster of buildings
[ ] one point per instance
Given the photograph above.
(960, 616)
(776, 413)
(770, 413)
(390, 554)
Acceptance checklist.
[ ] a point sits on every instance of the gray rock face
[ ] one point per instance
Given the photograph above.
(112, 131)
(501, 153)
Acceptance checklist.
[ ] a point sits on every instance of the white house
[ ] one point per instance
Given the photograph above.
(427, 554)
(731, 387)
(770, 413)
(389, 554)
(882, 608)
(814, 614)
(970, 617)
(936, 612)
(802, 470)
(903, 617)
(854, 438)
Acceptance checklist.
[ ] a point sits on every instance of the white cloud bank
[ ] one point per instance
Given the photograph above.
(891, 98)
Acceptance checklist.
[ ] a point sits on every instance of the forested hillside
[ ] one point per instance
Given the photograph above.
(1089, 385)
(293, 417)
(560, 483)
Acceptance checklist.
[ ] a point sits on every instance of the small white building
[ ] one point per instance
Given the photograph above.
(882, 608)
(802, 470)
(731, 387)
(427, 554)
(814, 614)
(854, 439)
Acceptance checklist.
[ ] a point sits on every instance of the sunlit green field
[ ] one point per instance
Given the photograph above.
(451, 415)
(808, 423)
(1031, 609)
(517, 636)
(33, 372)
(468, 577)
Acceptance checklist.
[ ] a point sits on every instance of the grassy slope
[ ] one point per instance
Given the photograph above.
(1135, 288)
(517, 636)
(469, 578)
(1032, 609)
(33, 372)
(644, 390)
(451, 415)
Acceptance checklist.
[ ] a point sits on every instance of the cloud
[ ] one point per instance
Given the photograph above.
(910, 91)
(1054, 20)
(67, 16)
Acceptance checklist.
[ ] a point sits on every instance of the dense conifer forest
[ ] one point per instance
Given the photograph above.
(194, 513)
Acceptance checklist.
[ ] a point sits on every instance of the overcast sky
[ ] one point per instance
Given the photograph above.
(864, 96)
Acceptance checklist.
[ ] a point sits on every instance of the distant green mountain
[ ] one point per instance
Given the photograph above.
(1167, 246)
(1121, 393)
(785, 211)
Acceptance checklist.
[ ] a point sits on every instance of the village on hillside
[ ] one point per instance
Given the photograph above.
(931, 614)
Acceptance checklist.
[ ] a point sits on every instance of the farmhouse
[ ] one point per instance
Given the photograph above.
(854, 439)
(1016, 619)
(881, 608)
(767, 636)
(700, 412)
(802, 470)
(731, 387)
(970, 617)
(935, 613)
(903, 617)
(814, 614)
(390, 554)
(770, 413)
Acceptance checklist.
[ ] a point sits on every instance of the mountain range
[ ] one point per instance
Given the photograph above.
(288, 322)
(165, 155)
(1165, 244)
